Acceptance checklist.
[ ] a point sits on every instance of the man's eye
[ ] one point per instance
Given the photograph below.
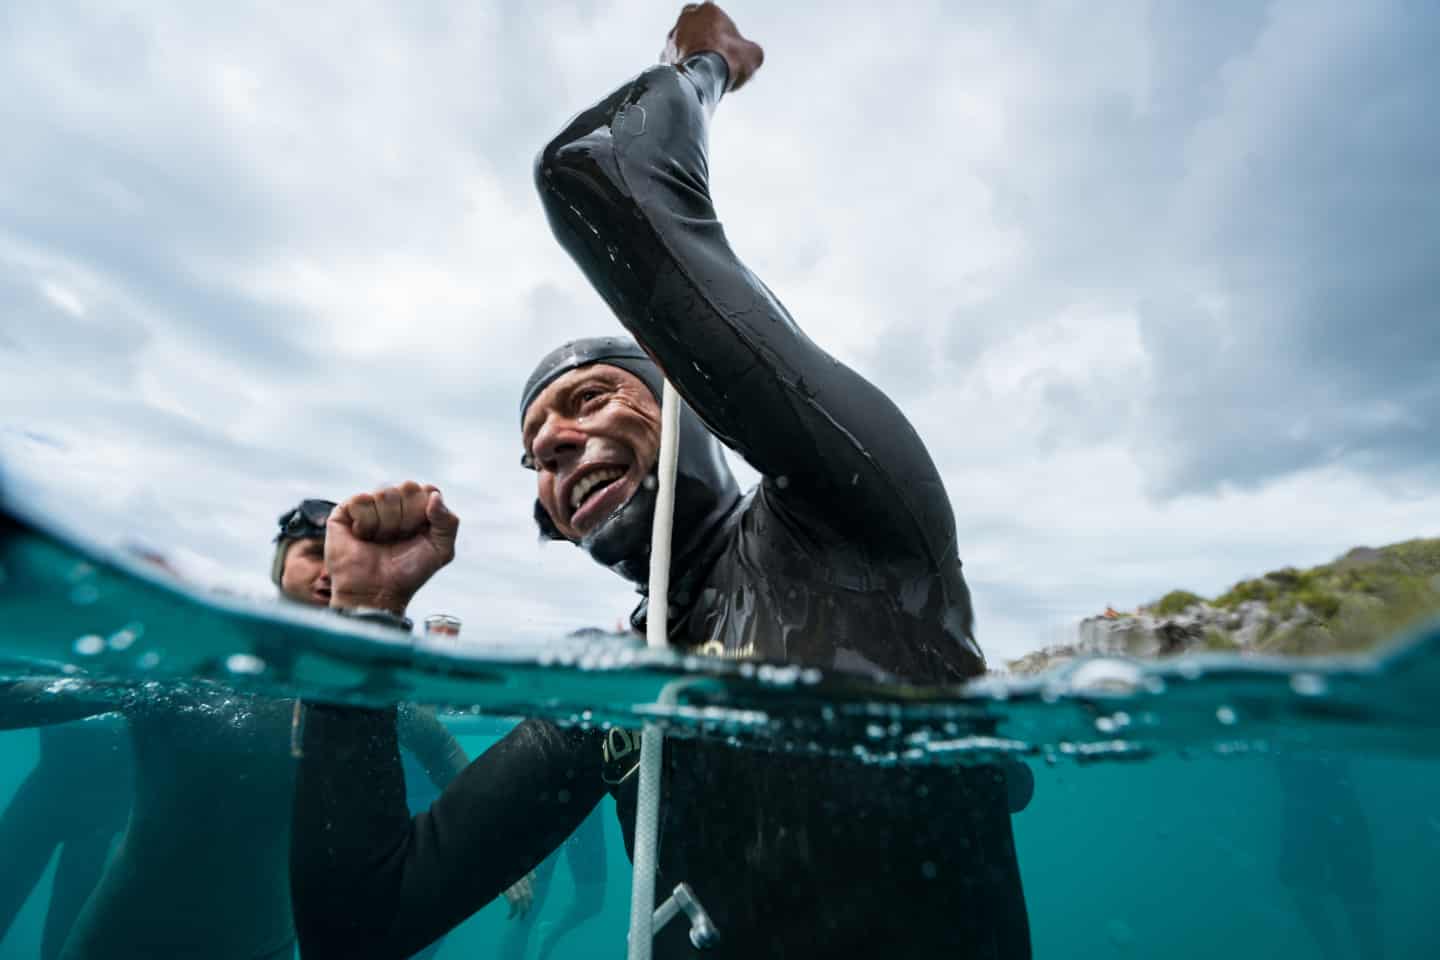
(588, 395)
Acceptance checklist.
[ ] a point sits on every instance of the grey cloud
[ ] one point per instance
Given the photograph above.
(1250, 181)
(1324, 238)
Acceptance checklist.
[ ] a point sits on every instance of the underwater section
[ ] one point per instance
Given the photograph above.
(1196, 806)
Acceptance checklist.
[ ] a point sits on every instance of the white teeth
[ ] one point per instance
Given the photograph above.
(582, 489)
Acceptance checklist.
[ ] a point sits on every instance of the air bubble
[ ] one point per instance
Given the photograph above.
(782, 481)
(244, 663)
(928, 870)
(148, 660)
(1105, 676)
(89, 645)
(1308, 684)
(1226, 715)
(84, 595)
(1112, 723)
(122, 639)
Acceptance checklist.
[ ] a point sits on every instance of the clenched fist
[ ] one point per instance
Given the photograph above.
(381, 547)
(704, 27)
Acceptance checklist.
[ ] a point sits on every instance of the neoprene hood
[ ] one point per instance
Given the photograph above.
(705, 489)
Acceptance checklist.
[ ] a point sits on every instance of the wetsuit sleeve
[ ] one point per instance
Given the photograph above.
(422, 733)
(626, 188)
(41, 703)
(369, 881)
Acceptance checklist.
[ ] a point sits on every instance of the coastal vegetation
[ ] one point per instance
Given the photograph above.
(1353, 603)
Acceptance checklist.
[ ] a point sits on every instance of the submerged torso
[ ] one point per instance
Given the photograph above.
(202, 868)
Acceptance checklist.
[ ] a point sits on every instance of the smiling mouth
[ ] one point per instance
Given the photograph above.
(591, 485)
(598, 494)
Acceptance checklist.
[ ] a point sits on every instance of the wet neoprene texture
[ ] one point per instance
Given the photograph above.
(843, 558)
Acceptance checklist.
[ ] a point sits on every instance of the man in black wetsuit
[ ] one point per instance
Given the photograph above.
(843, 558)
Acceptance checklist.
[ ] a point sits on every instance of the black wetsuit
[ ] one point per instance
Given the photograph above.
(844, 558)
(207, 780)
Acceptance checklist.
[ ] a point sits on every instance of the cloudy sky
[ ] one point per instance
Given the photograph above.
(1156, 281)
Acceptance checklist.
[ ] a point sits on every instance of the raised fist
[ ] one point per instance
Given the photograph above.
(705, 27)
(381, 547)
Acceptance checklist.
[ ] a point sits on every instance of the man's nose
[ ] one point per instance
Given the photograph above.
(558, 443)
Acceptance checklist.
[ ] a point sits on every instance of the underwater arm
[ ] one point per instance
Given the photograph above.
(585, 852)
(422, 733)
(626, 190)
(369, 881)
(34, 702)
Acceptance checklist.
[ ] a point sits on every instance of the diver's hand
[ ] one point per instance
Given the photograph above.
(381, 547)
(705, 27)
(521, 896)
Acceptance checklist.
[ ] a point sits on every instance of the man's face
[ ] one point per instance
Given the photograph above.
(305, 579)
(592, 436)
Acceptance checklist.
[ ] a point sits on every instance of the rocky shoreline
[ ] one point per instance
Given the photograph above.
(1352, 604)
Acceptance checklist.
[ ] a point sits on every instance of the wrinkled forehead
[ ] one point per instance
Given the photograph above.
(561, 385)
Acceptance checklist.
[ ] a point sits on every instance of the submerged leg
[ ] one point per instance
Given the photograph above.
(28, 837)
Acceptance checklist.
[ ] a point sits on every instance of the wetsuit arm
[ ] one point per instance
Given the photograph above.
(369, 881)
(41, 703)
(626, 188)
(422, 733)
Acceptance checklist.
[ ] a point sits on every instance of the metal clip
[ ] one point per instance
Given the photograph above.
(702, 931)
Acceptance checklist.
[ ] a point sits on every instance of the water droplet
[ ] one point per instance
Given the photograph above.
(244, 663)
(1103, 675)
(649, 483)
(1116, 721)
(89, 645)
(1308, 684)
(1189, 669)
(84, 595)
(122, 639)
(1226, 715)
(782, 481)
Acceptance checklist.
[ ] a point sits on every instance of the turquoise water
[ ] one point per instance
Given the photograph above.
(1201, 807)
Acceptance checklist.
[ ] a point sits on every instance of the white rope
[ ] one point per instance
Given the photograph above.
(647, 811)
